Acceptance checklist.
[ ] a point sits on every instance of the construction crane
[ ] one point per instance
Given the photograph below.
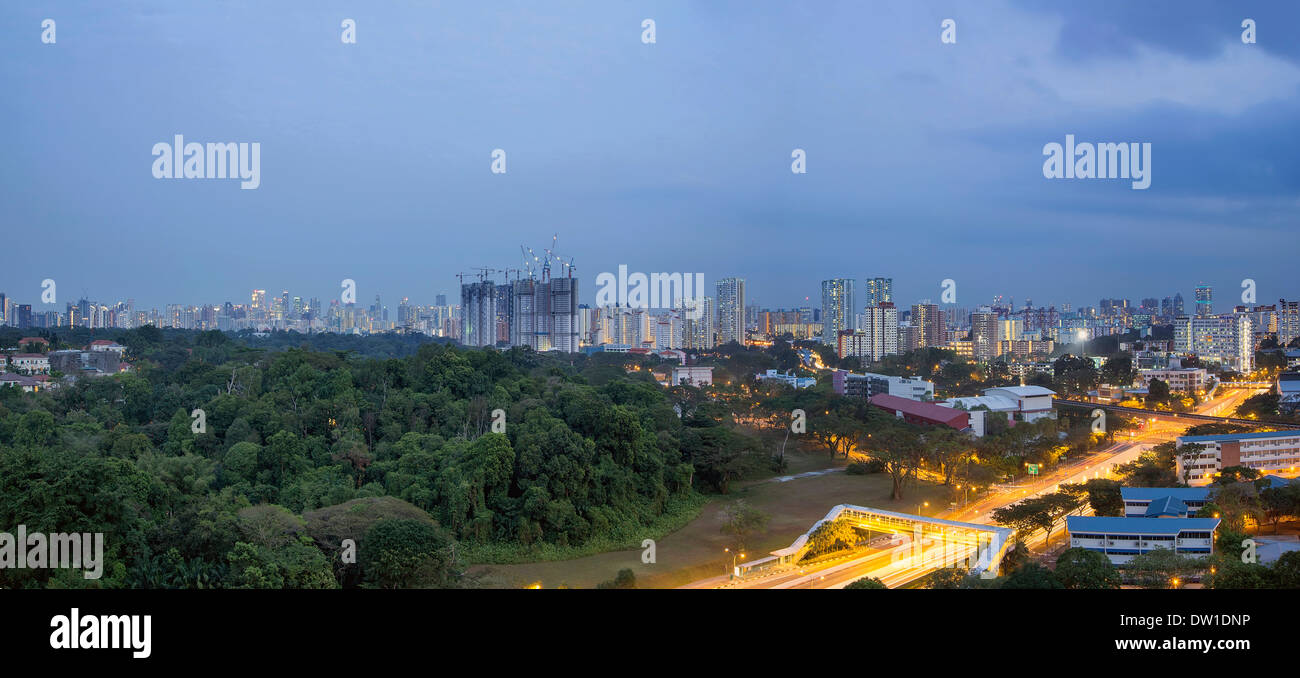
(484, 272)
(551, 254)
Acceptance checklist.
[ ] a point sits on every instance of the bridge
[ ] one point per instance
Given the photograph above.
(980, 547)
(1172, 416)
(1245, 384)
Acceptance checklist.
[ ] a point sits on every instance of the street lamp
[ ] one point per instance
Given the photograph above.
(733, 560)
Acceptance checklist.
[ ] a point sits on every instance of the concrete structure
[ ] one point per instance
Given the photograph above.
(1138, 501)
(693, 375)
(787, 379)
(545, 315)
(928, 319)
(1180, 379)
(878, 290)
(880, 329)
(837, 308)
(986, 543)
(984, 334)
(478, 313)
(731, 310)
(106, 345)
(85, 363)
(1122, 538)
(1287, 387)
(1033, 402)
(1225, 339)
(847, 383)
(28, 384)
(925, 414)
(1264, 451)
(32, 363)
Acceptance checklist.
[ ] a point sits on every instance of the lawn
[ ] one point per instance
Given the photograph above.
(696, 550)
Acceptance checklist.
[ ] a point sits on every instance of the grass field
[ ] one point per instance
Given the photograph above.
(696, 550)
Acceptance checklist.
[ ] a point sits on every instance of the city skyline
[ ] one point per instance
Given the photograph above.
(377, 155)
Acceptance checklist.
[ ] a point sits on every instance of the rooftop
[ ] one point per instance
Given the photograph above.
(936, 413)
(1237, 436)
(1150, 493)
(1024, 391)
(1115, 525)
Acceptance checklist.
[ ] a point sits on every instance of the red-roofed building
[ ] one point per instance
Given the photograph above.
(41, 341)
(917, 412)
(106, 345)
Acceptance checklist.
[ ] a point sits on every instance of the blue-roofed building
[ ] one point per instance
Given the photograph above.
(1138, 499)
(1275, 482)
(1166, 507)
(1122, 538)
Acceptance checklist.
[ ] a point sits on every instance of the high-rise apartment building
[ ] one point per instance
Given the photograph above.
(879, 291)
(1204, 301)
(880, 327)
(1288, 321)
(731, 310)
(478, 313)
(984, 334)
(928, 320)
(1226, 339)
(837, 308)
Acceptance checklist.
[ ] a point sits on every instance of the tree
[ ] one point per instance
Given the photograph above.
(832, 536)
(404, 553)
(1103, 495)
(1118, 370)
(1162, 568)
(1286, 571)
(1157, 393)
(1233, 574)
(1031, 576)
(949, 448)
(1080, 568)
(867, 583)
(1278, 503)
(1187, 457)
(741, 521)
(898, 448)
(625, 579)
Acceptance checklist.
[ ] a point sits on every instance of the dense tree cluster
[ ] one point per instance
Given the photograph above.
(286, 433)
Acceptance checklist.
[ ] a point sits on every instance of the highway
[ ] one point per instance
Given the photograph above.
(894, 564)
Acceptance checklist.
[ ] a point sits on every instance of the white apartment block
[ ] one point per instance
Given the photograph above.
(1269, 451)
(1226, 339)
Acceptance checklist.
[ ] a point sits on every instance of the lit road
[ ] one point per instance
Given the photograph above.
(895, 566)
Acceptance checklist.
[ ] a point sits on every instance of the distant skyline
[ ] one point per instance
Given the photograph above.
(922, 157)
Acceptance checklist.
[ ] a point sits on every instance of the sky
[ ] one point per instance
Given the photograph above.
(924, 160)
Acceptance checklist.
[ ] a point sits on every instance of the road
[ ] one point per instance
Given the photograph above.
(895, 564)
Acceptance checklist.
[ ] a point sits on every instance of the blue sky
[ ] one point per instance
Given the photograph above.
(924, 159)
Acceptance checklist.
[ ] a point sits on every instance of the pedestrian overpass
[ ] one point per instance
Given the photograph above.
(985, 544)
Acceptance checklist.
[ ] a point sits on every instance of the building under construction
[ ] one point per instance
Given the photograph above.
(478, 313)
(540, 312)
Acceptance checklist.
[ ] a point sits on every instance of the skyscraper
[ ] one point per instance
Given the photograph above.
(880, 325)
(879, 291)
(928, 321)
(698, 322)
(478, 313)
(731, 310)
(984, 334)
(1288, 321)
(837, 308)
(1204, 301)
